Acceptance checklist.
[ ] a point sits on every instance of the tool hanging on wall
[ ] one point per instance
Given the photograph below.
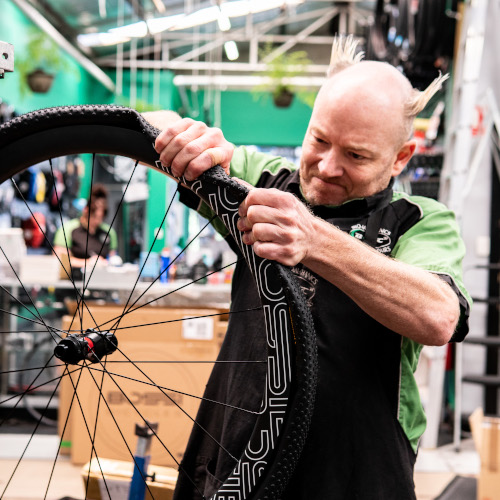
(6, 58)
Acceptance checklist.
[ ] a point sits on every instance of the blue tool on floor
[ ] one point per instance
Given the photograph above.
(138, 484)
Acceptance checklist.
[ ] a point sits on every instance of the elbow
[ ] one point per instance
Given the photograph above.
(445, 323)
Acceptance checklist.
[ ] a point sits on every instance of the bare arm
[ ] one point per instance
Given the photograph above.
(78, 263)
(410, 301)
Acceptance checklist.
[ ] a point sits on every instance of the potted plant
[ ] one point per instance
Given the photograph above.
(38, 63)
(279, 72)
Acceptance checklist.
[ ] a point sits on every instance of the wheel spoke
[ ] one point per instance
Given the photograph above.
(101, 395)
(30, 389)
(43, 232)
(30, 439)
(145, 260)
(71, 273)
(131, 310)
(21, 370)
(186, 319)
(162, 389)
(107, 234)
(89, 206)
(92, 441)
(38, 315)
(148, 425)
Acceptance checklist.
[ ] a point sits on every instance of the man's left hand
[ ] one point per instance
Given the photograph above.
(277, 224)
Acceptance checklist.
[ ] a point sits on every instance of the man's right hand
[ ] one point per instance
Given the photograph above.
(190, 148)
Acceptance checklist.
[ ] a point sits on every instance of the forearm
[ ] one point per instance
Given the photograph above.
(408, 300)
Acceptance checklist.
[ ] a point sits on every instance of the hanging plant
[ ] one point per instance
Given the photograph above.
(279, 72)
(39, 63)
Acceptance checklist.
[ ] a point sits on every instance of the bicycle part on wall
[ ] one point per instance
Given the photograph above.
(6, 58)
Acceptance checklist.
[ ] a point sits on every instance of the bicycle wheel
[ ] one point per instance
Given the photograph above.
(281, 426)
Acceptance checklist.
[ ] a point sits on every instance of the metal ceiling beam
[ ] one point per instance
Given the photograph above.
(44, 25)
(312, 69)
(243, 82)
(302, 35)
(137, 8)
(241, 38)
(54, 18)
(261, 29)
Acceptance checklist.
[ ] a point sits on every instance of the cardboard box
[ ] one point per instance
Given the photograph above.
(40, 269)
(486, 435)
(117, 477)
(166, 351)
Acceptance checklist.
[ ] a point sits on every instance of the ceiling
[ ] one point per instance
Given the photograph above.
(183, 35)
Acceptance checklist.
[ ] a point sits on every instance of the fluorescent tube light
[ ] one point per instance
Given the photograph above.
(231, 50)
(223, 21)
(135, 30)
(101, 39)
(159, 24)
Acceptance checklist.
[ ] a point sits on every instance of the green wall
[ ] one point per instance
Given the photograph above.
(71, 86)
(245, 120)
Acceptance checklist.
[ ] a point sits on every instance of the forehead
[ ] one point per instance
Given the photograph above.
(356, 113)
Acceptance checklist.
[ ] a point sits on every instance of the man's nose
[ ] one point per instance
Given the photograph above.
(330, 164)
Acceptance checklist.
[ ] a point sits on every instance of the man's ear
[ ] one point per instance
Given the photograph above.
(403, 157)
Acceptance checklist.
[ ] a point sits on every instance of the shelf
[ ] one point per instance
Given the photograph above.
(489, 300)
(486, 341)
(486, 380)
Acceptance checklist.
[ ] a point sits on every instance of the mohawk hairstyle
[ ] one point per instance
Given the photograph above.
(420, 98)
(344, 55)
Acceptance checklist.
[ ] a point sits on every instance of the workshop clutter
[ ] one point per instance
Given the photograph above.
(175, 355)
(112, 478)
(486, 434)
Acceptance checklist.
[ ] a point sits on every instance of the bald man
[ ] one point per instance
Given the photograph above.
(381, 271)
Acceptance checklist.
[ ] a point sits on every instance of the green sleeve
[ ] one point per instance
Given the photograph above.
(113, 238)
(63, 236)
(249, 165)
(434, 244)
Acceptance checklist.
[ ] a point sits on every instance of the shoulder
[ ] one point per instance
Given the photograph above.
(105, 228)
(251, 165)
(424, 205)
(71, 225)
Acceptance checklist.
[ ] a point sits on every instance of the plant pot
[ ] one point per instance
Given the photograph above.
(39, 81)
(283, 99)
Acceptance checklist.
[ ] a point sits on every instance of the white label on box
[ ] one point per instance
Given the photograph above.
(117, 488)
(197, 328)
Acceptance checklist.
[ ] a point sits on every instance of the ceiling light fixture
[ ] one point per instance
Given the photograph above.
(159, 24)
(220, 14)
(231, 50)
(134, 30)
(101, 39)
(223, 21)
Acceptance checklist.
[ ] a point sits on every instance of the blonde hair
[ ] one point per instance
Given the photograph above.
(344, 55)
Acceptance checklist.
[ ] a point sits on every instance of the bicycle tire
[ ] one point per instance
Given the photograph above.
(40, 135)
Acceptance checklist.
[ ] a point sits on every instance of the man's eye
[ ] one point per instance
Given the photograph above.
(356, 156)
(320, 141)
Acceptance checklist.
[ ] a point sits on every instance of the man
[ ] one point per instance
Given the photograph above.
(376, 298)
(88, 238)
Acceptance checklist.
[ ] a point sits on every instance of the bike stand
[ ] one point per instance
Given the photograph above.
(141, 461)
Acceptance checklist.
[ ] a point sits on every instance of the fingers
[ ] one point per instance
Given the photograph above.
(190, 148)
(275, 224)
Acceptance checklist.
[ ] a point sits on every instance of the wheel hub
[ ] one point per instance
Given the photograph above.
(90, 345)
